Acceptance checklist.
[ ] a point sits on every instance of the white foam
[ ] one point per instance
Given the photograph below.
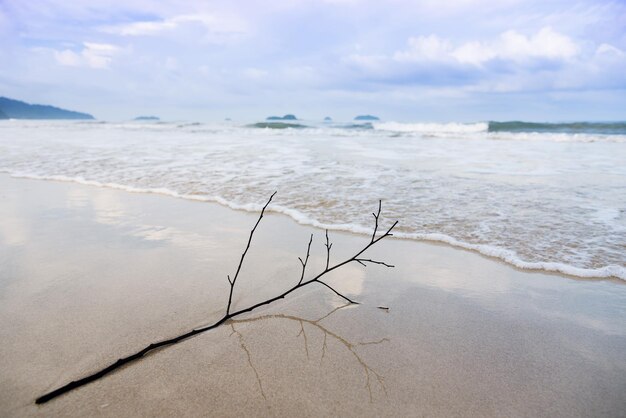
(481, 131)
(482, 191)
(554, 137)
(432, 128)
(508, 256)
(612, 271)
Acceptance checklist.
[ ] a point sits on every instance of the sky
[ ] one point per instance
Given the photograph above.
(419, 60)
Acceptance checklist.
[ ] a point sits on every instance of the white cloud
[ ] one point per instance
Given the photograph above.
(425, 48)
(68, 58)
(306, 48)
(214, 26)
(546, 43)
(509, 46)
(93, 55)
(99, 55)
(474, 53)
(609, 50)
(542, 60)
(141, 28)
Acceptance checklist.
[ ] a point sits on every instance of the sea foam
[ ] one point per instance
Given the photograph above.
(541, 205)
(432, 128)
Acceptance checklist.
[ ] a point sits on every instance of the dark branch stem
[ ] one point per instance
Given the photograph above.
(337, 293)
(328, 247)
(243, 255)
(306, 260)
(119, 363)
(301, 283)
(376, 216)
(367, 260)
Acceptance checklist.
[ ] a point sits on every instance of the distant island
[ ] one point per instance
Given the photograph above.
(366, 117)
(286, 117)
(328, 119)
(146, 118)
(15, 109)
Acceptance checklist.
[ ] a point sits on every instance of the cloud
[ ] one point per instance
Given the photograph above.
(610, 51)
(511, 45)
(214, 27)
(93, 55)
(545, 44)
(425, 48)
(308, 51)
(542, 60)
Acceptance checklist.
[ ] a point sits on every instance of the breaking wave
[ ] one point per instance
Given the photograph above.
(533, 204)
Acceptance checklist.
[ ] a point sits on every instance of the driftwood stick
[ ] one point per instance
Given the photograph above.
(228, 314)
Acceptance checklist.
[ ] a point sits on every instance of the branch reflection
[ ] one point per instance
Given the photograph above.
(369, 374)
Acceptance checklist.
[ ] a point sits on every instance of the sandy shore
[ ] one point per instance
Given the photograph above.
(88, 275)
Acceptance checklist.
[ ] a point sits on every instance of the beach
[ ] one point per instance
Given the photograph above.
(337, 208)
(91, 274)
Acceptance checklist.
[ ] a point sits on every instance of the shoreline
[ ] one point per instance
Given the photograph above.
(505, 256)
(89, 275)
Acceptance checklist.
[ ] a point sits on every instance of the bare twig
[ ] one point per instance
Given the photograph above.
(228, 314)
(376, 216)
(306, 260)
(328, 247)
(367, 260)
(339, 294)
(243, 255)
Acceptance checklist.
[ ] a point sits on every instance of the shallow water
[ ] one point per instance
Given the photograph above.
(554, 201)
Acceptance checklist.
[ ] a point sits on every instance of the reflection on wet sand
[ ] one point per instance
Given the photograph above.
(350, 346)
(243, 346)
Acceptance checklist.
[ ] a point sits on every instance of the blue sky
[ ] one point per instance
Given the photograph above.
(420, 60)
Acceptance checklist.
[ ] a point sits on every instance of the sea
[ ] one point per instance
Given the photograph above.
(541, 196)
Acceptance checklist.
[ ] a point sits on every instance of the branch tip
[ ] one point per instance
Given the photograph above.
(337, 293)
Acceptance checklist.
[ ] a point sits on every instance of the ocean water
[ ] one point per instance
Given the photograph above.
(538, 196)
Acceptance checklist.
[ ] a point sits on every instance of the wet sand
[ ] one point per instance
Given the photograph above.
(88, 275)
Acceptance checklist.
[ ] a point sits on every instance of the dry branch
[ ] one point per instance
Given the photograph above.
(228, 314)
